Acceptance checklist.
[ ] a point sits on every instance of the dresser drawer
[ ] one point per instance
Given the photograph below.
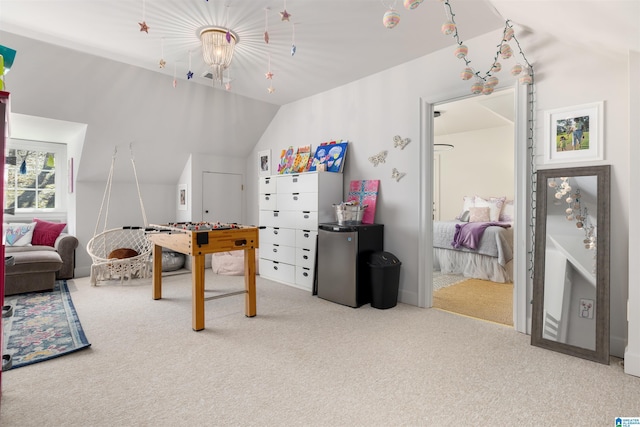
(280, 219)
(304, 278)
(297, 201)
(306, 257)
(306, 220)
(267, 202)
(279, 236)
(279, 253)
(305, 239)
(268, 184)
(298, 183)
(277, 271)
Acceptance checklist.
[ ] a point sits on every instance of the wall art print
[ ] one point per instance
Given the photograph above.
(365, 192)
(574, 134)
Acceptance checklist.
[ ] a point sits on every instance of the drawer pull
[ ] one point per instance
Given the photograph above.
(276, 213)
(267, 198)
(275, 267)
(275, 249)
(275, 231)
(306, 235)
(306, 216)
(295, 197)
(305, 274)
(305, 257)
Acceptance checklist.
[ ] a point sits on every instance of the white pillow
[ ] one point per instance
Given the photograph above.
(507, 212)
(467, 203)
(493, 203)
(16, 234)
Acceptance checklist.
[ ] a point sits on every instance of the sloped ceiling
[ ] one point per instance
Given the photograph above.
(337, 41)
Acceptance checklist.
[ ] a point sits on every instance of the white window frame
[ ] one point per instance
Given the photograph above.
(61, 177)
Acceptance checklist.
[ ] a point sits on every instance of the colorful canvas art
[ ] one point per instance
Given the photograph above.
(330, 156)
(365, 192)
(286, 160)
(302, 159)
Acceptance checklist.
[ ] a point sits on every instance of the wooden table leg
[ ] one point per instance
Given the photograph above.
(197, 279)
(157, 272)
(250, 282)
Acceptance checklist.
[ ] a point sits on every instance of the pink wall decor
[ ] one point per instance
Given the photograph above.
(366, 193)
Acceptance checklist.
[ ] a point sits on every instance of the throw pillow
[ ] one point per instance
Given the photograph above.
(507, 213)
(46, 232)
(479, 215)
(467, 202)
(493, 203)
(122, 253)
(17, 234)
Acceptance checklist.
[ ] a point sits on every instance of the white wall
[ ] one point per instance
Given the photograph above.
(369, 112)
(481, 164)
(124, 210)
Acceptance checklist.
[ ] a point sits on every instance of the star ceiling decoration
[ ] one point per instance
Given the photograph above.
(227, 86)
(162, 63)
(271, 89)
(269, 75)
(189, 75)
(144, 27)
(284, 15)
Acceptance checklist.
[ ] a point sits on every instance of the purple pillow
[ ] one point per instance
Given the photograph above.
(46, 232)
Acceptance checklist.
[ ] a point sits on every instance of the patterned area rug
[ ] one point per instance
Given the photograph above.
(44, 325)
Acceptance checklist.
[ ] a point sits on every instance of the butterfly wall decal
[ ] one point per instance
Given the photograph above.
(397, 175)
(399, 142)
(378, 158)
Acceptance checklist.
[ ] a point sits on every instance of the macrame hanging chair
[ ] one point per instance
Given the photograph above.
(119, 252)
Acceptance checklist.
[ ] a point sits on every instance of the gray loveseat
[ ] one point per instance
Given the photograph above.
(36, 268)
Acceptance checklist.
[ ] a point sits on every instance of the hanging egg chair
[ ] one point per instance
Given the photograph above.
(119, 253)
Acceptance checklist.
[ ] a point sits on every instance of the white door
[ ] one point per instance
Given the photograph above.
(222, 197)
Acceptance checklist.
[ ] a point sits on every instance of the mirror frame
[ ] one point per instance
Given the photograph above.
(601, 352)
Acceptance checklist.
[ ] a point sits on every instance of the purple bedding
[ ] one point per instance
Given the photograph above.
(469, 234)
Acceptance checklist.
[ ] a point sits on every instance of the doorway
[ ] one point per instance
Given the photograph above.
(473, 167)
(522, 188)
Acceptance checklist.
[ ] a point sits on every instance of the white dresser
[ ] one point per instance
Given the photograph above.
(291, 206)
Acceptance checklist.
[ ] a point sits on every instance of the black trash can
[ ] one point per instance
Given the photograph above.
(385, 279)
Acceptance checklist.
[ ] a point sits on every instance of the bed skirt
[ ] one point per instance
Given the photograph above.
(472, 265)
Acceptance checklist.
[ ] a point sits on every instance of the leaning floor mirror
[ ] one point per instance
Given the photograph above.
(571, 263)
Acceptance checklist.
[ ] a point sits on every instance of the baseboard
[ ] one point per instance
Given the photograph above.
(632, 363)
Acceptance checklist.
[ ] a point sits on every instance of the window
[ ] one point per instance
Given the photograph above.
(35, 176)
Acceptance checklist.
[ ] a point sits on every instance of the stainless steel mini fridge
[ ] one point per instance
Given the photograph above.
(343, 252)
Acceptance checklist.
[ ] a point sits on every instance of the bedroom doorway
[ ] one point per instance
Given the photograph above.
(473, 177)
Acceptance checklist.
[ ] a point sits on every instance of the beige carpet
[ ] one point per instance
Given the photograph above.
(481, 299)
(302, 361)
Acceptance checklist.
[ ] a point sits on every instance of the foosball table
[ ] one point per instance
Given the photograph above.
(196, 239)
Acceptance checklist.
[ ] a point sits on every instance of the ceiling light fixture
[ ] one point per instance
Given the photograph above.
(218, 45)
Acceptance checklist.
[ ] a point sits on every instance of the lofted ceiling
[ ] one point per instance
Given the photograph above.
(337, 41)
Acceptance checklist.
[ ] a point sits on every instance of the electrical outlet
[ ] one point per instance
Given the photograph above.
(586, 308)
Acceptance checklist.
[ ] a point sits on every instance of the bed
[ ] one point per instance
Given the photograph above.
(492, 255)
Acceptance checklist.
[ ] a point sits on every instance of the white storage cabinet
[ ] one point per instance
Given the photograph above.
(291, 206)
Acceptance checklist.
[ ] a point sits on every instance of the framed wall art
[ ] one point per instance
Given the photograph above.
(264, 163)
(182, 197)
(574, 134)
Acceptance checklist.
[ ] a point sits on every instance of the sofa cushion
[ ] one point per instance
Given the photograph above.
(34, 261)
(46, 232)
